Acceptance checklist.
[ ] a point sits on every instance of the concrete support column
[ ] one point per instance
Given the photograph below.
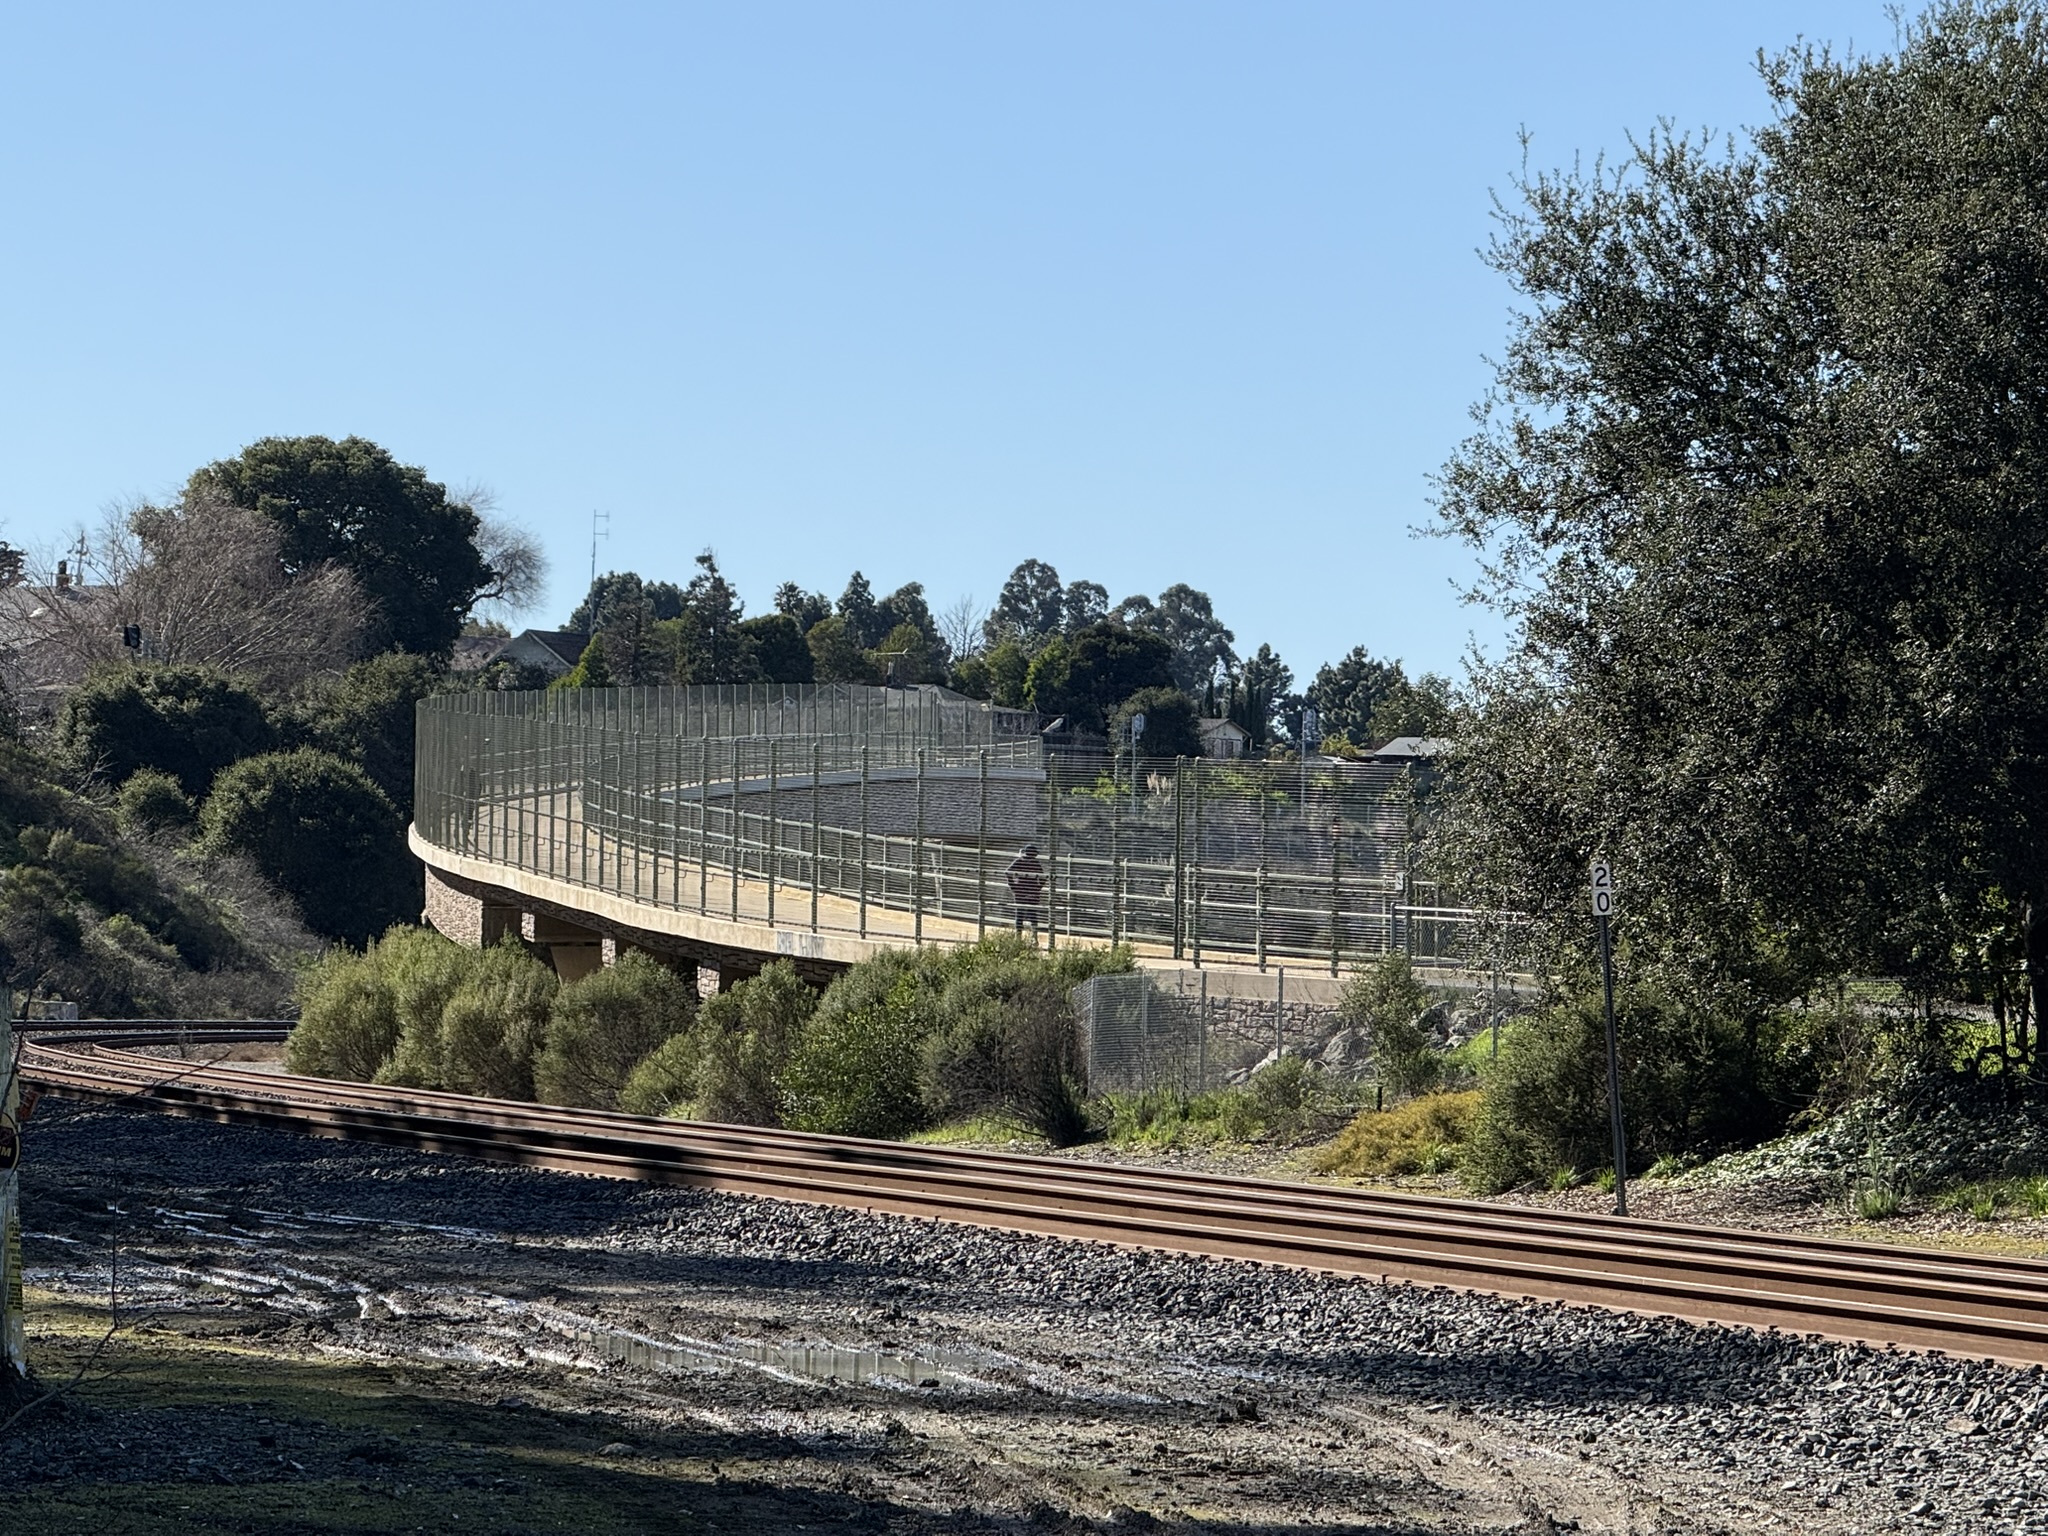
(575, 950)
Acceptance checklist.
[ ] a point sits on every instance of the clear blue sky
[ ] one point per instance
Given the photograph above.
(1156, 292)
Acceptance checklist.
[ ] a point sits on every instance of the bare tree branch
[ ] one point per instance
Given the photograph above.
(517, 565)
(960, 626)
(204, 583)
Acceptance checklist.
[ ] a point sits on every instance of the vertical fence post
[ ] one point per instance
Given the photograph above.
(675, 821)
(863, 839)
(774, 773)
(581, 774)
(917, 860)
(817, 851)
(1180, 885)
(1052, 864)
(1116, 870)
(1197, 874)
(1336, 896)
(1280, 1014)
(981, 857)
(704, 824)
(1259, 880)
(733, 829)
(1145, 1024)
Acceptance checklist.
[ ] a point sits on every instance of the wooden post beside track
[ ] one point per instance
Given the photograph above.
(13, 1331)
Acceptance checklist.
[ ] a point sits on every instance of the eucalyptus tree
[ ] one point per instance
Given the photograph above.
(1030, 607)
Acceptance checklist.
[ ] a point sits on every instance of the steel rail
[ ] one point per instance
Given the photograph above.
(1960, 1303)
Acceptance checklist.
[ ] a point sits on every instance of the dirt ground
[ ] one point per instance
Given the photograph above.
(315, 1337)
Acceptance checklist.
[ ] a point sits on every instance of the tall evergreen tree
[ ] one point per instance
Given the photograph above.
(1030, 606)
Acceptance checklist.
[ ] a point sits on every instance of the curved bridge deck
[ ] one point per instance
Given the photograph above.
(822, 824)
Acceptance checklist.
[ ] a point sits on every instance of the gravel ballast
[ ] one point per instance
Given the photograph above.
(1071, 1385)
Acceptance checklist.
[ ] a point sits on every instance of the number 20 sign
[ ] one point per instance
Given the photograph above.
(1603, 889)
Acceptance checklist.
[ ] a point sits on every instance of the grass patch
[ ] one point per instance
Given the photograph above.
(1992, 1199)
(976, 1130)
(1877, 1198)
(221, 1427)
(1420, 1136)
(1159, 1119)
(1286, 1103)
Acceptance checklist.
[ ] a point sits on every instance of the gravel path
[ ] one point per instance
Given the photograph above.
(1064, 1385)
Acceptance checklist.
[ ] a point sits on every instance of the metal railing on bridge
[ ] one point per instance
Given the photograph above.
(899, 813)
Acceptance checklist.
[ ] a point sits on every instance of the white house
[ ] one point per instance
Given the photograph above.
(1222, 738)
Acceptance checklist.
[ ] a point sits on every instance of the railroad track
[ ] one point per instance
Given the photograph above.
(1959, 1303)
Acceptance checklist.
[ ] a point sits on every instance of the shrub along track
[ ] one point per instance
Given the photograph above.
(1964, 1304)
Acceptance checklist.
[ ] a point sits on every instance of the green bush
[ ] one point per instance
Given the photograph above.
(1385, 1001)
(39, 927)
(602, 1027)
(864, 1064)
(1989, 1199)
(122, 925)
(743, 1040)
(1170, 728)
(377, 1016)
(1692, 1082)
(665, 1081)
(1288, 1101)
(1877, 1198)
(423, 972)
(854, 1070)
(348, 1020)
(494, 1023)
(367, 718)
(114, 879)
(1005, 1046)
(152, 801)
(188, 722)
(326, 835)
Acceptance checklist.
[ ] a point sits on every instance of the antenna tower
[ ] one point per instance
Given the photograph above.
(597, 533)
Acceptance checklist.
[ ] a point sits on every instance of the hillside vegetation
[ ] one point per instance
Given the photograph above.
(101, 906)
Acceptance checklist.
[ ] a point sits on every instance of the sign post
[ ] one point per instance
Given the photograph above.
(1137, 730)
(1603, 912)
(13, 1332)
(1311, 741)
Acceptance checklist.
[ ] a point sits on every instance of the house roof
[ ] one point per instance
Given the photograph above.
(1406, 748)
(1208, 727)
(549, 648)
(472, 653)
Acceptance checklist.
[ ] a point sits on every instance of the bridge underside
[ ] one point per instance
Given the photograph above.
(577, 941)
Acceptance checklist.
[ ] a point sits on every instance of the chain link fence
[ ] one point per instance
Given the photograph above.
(1190, 1032)
(907, 813)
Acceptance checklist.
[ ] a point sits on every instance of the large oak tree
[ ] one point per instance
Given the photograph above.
(418, 554)
(1764, 480)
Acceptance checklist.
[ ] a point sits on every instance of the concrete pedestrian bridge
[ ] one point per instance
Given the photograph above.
(728, 827)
